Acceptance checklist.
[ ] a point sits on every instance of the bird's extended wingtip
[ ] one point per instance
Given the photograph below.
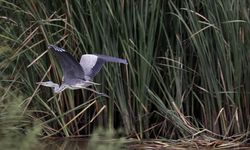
(53, 47)
(125, 61)
(50, 46)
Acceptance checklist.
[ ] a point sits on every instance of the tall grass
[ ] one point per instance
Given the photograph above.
(187, 73)
(17, 129)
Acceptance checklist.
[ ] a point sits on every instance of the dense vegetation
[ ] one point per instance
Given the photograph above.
(188, 72)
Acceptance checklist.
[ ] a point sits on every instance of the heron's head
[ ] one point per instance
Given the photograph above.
(48, 84)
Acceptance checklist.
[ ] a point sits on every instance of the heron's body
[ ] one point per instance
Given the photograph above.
(78, 75)
(63, 86)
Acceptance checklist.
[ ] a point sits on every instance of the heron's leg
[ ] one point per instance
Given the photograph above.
(91, 83)
(98, 93)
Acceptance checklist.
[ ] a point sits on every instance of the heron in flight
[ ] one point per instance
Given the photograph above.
(78, 75)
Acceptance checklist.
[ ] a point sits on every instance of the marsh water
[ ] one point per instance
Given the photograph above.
(81, 144)
(65, 144)
(86, 144)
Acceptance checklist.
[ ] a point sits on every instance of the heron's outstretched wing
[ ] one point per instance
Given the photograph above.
(92, 64)
(71, 68)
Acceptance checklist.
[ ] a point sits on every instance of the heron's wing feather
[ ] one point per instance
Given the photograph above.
(92, 64)
(88, 63)
(71, 68)
(112, 59)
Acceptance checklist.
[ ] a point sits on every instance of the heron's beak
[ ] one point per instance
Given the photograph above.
(40, 83)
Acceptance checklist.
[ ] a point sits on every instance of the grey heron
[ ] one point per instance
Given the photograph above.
(78, 75)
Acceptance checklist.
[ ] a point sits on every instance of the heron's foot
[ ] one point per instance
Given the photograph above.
(91, 83)
(98, 93)
(103, 94)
